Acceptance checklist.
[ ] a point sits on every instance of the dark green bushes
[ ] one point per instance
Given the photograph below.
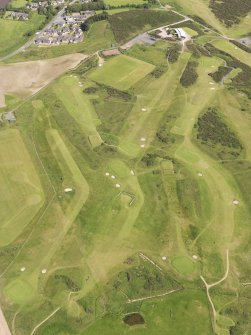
(189, 76)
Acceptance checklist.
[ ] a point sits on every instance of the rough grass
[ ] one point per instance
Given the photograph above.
(126, 25)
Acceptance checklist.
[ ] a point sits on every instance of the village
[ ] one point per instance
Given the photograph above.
(66, 29)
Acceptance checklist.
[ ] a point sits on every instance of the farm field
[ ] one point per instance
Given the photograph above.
(125, 183)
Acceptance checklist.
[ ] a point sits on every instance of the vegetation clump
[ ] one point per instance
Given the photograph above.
(134, 319)
(189, 76)
(173, 53)
(212, 131)
(220, 73)
(230, 11)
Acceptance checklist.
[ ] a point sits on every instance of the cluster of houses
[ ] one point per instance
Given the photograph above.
(60, 33)
(34, 5)
(20, 16)
(66, 30)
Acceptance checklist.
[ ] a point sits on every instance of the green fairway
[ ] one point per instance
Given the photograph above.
(22, 194)
(125, 184)
(233, 50)
(126, 72)
(79, 105)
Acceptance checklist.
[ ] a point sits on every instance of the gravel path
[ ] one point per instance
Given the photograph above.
(4, 328)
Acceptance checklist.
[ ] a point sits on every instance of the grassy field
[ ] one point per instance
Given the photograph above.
(127, 72)
(139, 209)
(22, 193)
(123, 2)
(18, 3)
(14, 32)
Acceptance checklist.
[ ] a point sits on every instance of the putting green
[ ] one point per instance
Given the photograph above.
(183, 264)
(19, 291)
(21, 191)
(121, 72)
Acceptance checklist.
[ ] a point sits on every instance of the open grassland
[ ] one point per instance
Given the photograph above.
(14, 33)
(155, 211)
(21, 190)
(126, 72)
(18, 3)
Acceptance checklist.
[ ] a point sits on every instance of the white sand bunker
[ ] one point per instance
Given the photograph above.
(236, 202)
(118, 185)
(107, 174)
(23, 269)
(44, 271)
(143, 139)
(113, 177)
(142, 145)
(195, 257)
(163, 258)
(212, 88)
(200, 174)
(143, 109)
(132, 173)
(67, 190)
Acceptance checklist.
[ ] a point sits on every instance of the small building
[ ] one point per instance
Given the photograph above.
(9, 116)
(112, 52)
(180, 33)
(20, 16)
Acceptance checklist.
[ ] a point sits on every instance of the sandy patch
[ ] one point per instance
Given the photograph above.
(236, 202)
(27, 78)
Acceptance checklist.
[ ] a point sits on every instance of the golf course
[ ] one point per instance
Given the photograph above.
(125, 180)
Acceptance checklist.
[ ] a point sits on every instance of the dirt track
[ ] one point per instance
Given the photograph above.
(4, 329)
(25, 79)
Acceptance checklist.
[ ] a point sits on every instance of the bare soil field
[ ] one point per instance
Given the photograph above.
(25, 79)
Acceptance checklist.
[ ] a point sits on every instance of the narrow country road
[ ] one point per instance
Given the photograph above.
(4, 328)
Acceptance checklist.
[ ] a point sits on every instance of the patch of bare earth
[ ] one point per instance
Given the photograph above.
(25, 79)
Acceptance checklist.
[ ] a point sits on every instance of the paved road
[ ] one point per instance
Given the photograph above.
(4, 328)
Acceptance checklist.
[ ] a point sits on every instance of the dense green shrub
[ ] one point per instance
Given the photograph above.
(189, 75)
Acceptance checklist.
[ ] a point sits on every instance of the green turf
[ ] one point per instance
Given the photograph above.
(22, 193)
(126, 72)
(123, 2)
(171, 220)
(14, 32)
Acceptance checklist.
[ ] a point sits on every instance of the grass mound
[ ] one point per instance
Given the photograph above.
(126, 25)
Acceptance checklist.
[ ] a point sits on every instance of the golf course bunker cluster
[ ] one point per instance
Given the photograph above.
(125, 168)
